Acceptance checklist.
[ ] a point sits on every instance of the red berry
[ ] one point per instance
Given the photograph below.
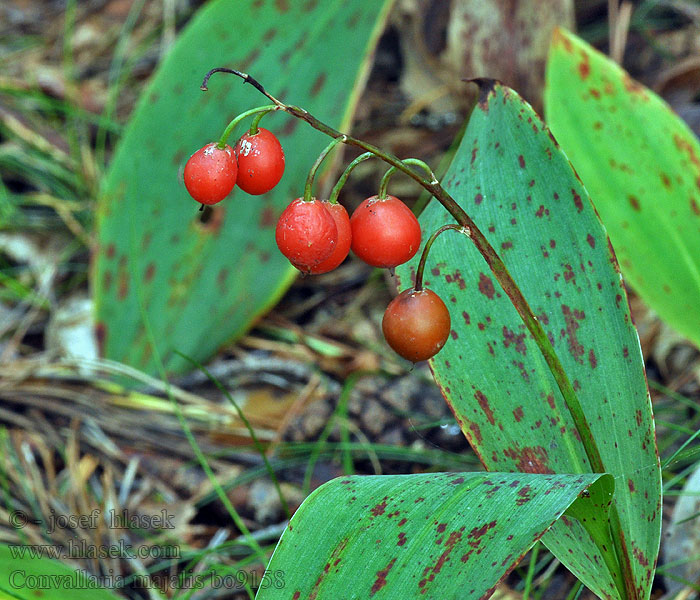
(306, 233)
(210, 173)
(342, 222)
(416, 324)
(260, 162)
(385, 233)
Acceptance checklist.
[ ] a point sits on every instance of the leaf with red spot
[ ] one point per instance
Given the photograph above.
(433, 536)
(203, 281)
(641, 164)
(521, 191)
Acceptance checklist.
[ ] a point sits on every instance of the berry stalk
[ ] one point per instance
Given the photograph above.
(384, 183)
(308, 188)
(335, 192)
(260, 112)
(418, 285)
(256, 122)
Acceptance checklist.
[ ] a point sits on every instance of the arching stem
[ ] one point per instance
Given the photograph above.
(335, 192)
(384, 183)
(256, 121)
(418, 285)
(260, 111)
(312, 172)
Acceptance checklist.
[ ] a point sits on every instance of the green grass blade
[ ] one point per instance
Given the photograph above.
(241, 415)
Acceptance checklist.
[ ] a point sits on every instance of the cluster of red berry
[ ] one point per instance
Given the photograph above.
(317, 235)
(255, 163)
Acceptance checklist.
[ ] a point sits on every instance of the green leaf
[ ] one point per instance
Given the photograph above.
(641, 164)
(512, 179)
(440, 535)
(203, 284)
(591, 511)
(25, 575)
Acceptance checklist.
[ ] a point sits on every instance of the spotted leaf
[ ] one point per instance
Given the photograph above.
(203, 281)
(441, 535)
(521, 191)
(641, 164)
(26, 575)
